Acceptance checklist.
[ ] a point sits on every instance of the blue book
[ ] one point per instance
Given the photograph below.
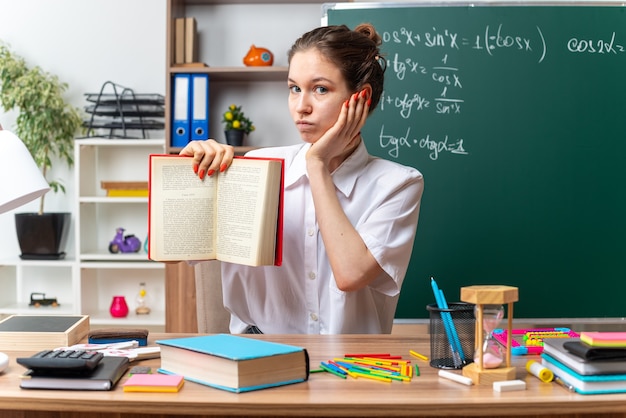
(234, 363)
(585, 384)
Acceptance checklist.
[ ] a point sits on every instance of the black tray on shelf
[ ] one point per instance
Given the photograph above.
(141, 110)
(117, 107)
(124, 124)
(114, 99)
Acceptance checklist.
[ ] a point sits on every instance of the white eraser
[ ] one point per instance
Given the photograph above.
(456, 377)
(509, 385)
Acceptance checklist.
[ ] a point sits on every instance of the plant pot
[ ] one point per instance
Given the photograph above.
(42, 237)
(234, 137)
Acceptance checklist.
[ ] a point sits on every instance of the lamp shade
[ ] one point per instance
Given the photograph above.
(20, 178)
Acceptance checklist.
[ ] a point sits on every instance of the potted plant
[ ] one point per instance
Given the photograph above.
(47, 125)
(236, 125)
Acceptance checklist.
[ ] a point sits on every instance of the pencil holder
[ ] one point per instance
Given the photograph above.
(451, 335)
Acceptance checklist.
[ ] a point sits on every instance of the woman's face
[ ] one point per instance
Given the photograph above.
(317, 90)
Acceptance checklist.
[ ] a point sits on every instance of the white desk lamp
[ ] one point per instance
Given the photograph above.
(20, 178)
(20, 182)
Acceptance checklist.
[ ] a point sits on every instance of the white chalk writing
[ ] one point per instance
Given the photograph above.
(393, 144)
(436, 88)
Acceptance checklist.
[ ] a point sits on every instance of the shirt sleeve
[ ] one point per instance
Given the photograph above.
(390, 225)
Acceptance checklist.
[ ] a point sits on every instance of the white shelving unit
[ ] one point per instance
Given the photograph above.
(101, 274)
(86, 281)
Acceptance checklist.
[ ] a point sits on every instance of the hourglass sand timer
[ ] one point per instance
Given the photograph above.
(492, 352)
(489, 312)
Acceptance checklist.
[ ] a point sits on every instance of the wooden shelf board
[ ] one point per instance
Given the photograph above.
(251, 74)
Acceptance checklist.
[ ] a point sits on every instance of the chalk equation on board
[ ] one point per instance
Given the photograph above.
(437, 87)
(393, 144)
(497, 38)
(490, 41)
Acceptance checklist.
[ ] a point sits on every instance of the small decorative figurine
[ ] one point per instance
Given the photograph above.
(258, 57)
(142, 300)
(39, 299)
(124, 243)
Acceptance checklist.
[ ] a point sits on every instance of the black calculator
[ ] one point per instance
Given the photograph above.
(62, 361)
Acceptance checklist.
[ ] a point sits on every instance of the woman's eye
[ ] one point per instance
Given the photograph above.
(294, 89)
(321, 90)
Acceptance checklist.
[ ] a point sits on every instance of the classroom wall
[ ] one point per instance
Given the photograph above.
(85, 43)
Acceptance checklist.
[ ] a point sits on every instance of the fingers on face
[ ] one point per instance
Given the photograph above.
(357, 110)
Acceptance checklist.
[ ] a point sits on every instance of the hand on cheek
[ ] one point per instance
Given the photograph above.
(341, 138)
(357, 110)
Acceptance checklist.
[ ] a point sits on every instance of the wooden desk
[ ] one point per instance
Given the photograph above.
(323, 395)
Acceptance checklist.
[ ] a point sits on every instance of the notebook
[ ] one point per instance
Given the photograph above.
(108, 372)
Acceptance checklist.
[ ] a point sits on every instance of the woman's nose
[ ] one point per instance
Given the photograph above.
(304, 104)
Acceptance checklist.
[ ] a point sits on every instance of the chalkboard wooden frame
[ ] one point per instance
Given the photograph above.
(516, 116)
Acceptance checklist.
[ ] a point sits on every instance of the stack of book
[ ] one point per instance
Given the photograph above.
(186, 42)
(595, 363)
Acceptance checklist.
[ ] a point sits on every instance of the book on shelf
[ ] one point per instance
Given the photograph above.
(125, 188)
(191, 42)
(153, 382)
(556, 349)
(234, 216)
(234, 363)
(42, 332)
(104, 377)
(593, 384)
(179, 40)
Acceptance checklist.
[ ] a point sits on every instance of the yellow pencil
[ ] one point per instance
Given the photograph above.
(418, 355)
(373, 376)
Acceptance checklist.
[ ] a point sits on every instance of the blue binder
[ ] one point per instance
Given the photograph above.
(200, 106)
(181, 109)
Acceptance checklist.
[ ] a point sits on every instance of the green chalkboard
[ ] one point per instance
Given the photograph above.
(516, 116)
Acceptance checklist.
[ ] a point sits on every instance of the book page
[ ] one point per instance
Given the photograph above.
(182, 214)
(248, 196)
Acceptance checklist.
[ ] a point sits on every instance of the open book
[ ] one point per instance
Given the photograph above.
(234, 216)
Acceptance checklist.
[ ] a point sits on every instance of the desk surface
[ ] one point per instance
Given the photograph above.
(323, 394)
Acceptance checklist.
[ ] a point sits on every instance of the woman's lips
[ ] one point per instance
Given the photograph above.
(303, 125)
